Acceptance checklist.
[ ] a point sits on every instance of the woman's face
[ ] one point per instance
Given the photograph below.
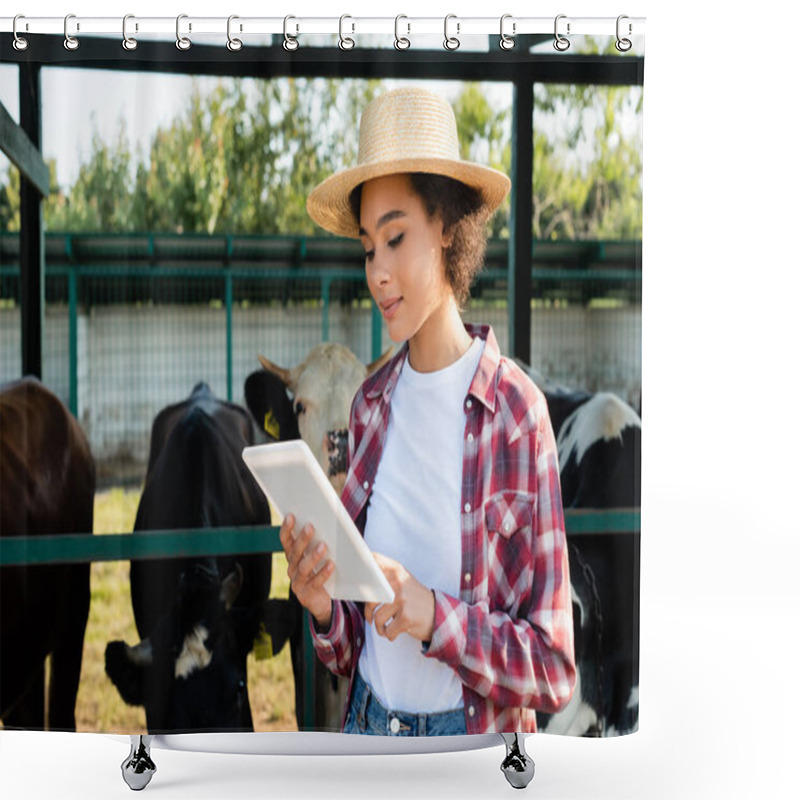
(404, 258)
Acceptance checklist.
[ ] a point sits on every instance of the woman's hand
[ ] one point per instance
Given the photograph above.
(413, 609)
(303, 560)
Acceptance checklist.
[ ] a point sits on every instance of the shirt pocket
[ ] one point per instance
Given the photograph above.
(509, 511)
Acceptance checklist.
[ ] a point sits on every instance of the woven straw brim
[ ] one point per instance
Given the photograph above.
(329, 203)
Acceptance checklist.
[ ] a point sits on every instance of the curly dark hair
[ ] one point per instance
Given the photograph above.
(464, 217)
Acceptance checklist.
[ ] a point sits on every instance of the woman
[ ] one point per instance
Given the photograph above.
(453, 473)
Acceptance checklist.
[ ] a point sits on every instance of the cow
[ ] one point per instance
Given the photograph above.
(322, 388)
(47, 484)
(198, 618)
(599, 449)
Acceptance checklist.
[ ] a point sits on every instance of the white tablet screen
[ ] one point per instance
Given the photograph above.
(294, 482)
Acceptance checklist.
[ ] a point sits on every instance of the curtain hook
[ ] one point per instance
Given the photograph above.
(623, 45)
(401, 42)
(290, 43)
(345, 42)
(233, 44)
(70, 42)
(20, 42)
(451, 42)
(181, 42)
(561, 43)
(128, 42)
(507, 42)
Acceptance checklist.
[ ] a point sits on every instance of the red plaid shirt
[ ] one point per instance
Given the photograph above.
(508, 635)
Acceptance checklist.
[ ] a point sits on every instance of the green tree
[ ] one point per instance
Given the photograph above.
(243, 157)
(10, 201)
(587, 170)
(587, 161)
(482, 138)
(185, 185)
(100, 199)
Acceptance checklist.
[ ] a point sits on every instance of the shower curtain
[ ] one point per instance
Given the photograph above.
(177, 250)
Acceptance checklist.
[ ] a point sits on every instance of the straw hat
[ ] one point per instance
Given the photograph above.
(403, 130)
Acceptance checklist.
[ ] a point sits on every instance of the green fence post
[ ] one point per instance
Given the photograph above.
(229, 334)
(377, 330)
(308, 675)
(72, 279)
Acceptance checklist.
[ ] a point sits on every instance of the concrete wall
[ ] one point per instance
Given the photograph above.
(134, 360)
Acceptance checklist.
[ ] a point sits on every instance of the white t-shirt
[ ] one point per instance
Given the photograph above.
(414, 517)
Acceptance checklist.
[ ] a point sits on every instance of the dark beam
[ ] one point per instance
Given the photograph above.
(328, 62)
(15, 143)
(521, 242)
(31, 229)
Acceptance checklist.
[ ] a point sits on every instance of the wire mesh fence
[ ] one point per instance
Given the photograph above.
(132, 323)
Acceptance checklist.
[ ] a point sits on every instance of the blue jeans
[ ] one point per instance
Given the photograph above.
(367, 714)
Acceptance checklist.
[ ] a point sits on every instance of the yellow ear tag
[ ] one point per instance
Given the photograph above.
(262, 645)
(271, 425)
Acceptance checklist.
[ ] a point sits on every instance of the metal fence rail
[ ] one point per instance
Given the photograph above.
(198, 542)
(80, 548)
(74, 548)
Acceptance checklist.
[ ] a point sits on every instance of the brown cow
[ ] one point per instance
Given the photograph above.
(47, 483)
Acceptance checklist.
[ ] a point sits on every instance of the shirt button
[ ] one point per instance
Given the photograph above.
(472, 711)
(470, 437)
(468, 577)
(469, 403)
(366, 484)
(506, 526)
(358, 642)
(467, 508)
(394, 725)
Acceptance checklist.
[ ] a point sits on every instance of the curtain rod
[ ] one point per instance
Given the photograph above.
(452, 26)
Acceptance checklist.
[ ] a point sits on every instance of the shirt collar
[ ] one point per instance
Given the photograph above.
(484, 382)
(384, 380)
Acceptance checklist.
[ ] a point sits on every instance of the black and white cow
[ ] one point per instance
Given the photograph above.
(198, 618)
(47, 483)
(599, 450)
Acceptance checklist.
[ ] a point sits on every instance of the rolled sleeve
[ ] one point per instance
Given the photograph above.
(449, 640)
(334, 647)
(508, 661)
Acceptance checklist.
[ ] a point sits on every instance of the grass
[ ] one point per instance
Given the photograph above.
(99, 706)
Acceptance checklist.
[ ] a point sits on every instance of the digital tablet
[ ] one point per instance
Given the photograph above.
(296, 484)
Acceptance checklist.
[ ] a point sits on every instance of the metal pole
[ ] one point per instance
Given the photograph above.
(31, 228)
(520, 243)
(308, 674)
(72, 279)
(377, 332)
(229, 335)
